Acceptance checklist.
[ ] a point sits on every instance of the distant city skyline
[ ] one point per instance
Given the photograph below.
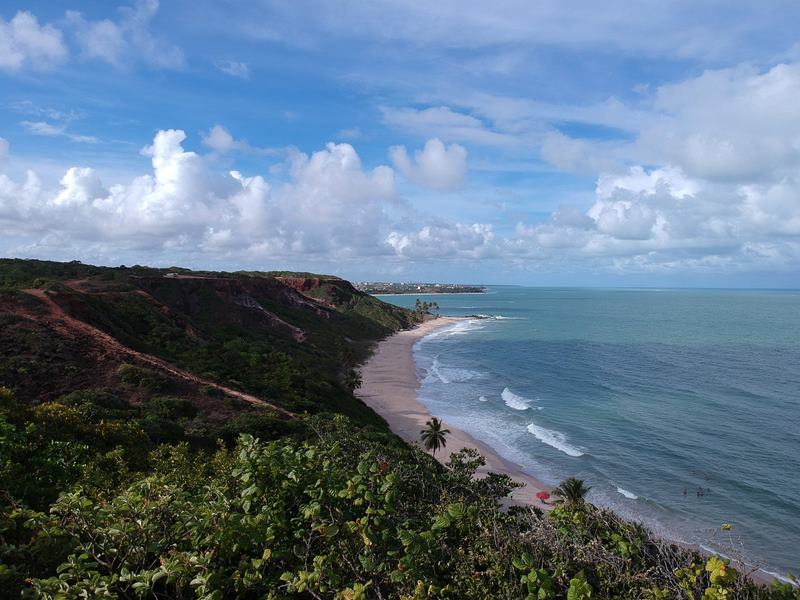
(546, 143)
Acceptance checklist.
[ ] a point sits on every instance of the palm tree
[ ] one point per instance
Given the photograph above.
(433, 436)
(572, 490)
(352, 380)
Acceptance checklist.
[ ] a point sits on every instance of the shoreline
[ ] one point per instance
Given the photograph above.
(389, 387)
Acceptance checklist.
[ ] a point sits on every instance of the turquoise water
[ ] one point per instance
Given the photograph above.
(642, 393)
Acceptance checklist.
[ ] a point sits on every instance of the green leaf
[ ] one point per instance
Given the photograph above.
(719, 571)
(441, 522)
(159, 575)
(579, 588)
(524, 563)
(456, 511)
(330, 530)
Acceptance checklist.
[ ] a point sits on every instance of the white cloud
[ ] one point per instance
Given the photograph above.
(42, 128)
(4, 146)
(127, 40)
(332, 204)
(436, 165)
(439, 241)
(26, 107)
(46, 129)
(234, 68)
(576, 155)
(445, 123)
(328, 206)
(79, 187)
(220, 140)
(727, 192)
(25, 43)
(624, 220)
(102, 40)
(637, 180)
(659, 220)
(17, 201)
(736, 124)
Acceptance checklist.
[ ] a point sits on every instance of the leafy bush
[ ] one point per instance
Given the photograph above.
(170, 408)
(144, 378)
(99, 402)
(340, 516)
(265, 427)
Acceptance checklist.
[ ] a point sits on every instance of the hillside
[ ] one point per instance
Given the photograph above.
(230, 344)
(166, 433)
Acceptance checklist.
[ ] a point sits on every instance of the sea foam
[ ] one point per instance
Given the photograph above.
(514, 401)
(556, 439)
(464, 327)
(448, 374)
(627, 494)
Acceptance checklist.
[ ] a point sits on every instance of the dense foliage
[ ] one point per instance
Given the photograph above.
(337, 514)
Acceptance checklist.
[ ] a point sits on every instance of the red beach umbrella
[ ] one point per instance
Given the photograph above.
(543, 496)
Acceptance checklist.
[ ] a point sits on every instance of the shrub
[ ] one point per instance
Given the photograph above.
(265, 427)
(144, 378)
(167, 407)
(98, 402)
(161, 431)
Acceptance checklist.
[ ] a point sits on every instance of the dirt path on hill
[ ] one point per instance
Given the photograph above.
(68, 325)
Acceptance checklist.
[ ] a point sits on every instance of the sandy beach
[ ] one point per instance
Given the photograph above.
(390, 387)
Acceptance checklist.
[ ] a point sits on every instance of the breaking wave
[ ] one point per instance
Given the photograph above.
(514, 401)
(447, 374)
(555, 439)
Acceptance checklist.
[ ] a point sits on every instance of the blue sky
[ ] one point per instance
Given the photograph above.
(513, 142)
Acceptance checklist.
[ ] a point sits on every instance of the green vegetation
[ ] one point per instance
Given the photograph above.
(335, 514)
(121, 478)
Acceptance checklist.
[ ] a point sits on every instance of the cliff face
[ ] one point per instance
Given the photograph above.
(331, 291)
(308, 284)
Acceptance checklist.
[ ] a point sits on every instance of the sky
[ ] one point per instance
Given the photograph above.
(544, 142)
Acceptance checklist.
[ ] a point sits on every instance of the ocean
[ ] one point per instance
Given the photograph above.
(649, 395)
